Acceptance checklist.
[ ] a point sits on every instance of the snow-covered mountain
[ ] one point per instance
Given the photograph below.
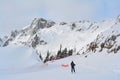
(108, 40)
(47, 36)
(50, 40)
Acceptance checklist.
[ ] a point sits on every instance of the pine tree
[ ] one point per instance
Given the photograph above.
(64, 53)
(70, 52)
(59, 52)
(40, 56)
(47, 57)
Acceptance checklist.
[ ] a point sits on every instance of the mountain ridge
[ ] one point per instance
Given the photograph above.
(47, 36)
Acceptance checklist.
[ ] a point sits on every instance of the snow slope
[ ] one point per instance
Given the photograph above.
(17, 56)
(95, 67)
(108, 41)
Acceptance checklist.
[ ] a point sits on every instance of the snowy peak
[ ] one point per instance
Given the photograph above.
(27, 32)
(47, 36)
(36, 25)
(41, 23)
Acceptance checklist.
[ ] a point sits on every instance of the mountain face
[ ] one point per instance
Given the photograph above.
(107, 41)
(56, 40)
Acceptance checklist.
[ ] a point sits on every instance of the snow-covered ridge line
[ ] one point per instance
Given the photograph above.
(108, 41)
(47, 36)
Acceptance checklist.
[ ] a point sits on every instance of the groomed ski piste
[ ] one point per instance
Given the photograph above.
(21, 63)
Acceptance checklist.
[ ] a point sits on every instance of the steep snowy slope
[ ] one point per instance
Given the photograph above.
(108, 41)
(71, 38)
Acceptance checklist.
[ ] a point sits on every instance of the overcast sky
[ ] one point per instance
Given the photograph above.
(15, 14)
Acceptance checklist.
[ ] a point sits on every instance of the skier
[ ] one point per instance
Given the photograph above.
(72, 67)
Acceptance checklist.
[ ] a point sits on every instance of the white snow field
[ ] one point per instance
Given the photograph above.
(21, 63)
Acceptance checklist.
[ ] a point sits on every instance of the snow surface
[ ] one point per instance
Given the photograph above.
(21, 65)
(17, 56)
